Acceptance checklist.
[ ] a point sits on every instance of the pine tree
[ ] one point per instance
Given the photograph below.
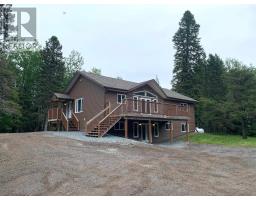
(189, 58)
(215, 85)
(51, 76)
(6, 24)
(9, 107)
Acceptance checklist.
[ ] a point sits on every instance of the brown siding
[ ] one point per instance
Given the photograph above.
(93, 99)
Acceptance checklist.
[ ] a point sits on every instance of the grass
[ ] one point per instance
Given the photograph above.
(226, 140)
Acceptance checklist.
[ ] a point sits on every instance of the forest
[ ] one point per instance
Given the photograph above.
(30, 73)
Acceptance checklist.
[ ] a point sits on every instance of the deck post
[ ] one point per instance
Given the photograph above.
(171, 133)
(126, 128)
(150, 131)
(187, 137)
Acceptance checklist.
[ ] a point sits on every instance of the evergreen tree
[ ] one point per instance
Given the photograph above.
(215, 86)
(51, 76)
(6, 25)
(240, 101)
(27, 61)
(73, 63)
(9, 107)
(189, 58)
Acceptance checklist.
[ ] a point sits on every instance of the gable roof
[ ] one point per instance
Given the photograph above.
(119, 84)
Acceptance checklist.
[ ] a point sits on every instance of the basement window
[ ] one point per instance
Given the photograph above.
(167, 125)
(183, 127)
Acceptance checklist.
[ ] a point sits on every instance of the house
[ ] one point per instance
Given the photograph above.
(144, 111)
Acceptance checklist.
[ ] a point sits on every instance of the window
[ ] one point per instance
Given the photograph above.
(155, 104)
(155, 129)
(183, 127)
(183, 107)
(79, 105)
(135, 129)
(119, 126)
(120, 98)
(135, 103)
(145, 94)
(167, 125)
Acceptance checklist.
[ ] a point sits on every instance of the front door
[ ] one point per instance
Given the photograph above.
(143, 132)
(69, 110)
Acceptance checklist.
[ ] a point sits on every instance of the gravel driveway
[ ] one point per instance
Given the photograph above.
(49, 164)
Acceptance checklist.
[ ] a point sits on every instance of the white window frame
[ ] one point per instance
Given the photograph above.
(137, 102)
(76, 105)
(181, 125)
(156, 130)
(155, 101)
(170, 125)
(123, 96)
(117, 126)
(182, 106)
(135, 125)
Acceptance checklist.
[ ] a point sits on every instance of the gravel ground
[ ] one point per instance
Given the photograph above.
(81, 136)
(46, 164)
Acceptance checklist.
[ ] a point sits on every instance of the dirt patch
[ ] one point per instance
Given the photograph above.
(32, 164)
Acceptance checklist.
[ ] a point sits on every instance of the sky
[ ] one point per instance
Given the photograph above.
(135, 41)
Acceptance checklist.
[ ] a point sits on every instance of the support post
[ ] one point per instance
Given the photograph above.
(150, 131)
(187, 132)
(171, 133)
(126, 128)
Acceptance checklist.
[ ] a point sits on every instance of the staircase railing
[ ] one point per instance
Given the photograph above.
(96, 119)
(64, 121)
(75, 120)
(114, 113)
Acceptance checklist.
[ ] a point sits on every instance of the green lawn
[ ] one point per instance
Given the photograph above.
(227, 140)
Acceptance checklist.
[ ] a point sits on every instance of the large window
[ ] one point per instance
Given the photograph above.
(79, 105)
(135, 103)
(156, 130)
(120, 98)
(119, 126)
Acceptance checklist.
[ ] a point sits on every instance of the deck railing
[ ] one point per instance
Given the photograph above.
(131, 106)
(54, 114)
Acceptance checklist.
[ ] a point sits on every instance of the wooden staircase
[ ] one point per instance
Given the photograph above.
(101, 127)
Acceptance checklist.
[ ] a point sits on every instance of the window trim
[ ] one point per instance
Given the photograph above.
(121, 94)
(154, 130)
(135, 125)
(170, 125)
(183, 123)
(137, 103)
(155, 103)
(76, 105)
(182, 105)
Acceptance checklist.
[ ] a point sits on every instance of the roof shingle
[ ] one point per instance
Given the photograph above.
(120, 84)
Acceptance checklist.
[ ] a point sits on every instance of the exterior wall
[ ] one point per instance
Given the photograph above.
(167, 107)
(93, 99)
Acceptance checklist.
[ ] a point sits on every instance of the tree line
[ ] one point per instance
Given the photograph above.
(29, 75)
(225, 90)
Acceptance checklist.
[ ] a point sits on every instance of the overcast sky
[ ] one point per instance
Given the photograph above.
(135, 41)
